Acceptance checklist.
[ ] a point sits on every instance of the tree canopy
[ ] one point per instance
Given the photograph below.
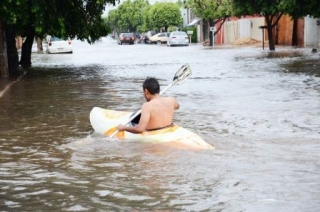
(139, 15)
(211, 10)
(129, 16)
(30, 18)
(72, 18)
(273, 10)
(164, 14)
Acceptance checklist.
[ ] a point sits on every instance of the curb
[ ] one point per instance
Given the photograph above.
(6, 88)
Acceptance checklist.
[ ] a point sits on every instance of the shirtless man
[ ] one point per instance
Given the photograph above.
(156, 113)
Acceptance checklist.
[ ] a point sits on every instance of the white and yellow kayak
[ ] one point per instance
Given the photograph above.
(105, 121)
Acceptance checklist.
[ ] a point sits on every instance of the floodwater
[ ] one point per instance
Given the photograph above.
(260, 109)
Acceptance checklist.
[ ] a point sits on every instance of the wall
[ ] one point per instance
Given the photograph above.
(311, 33)
(256, 32)
(284, 31)
(241, 28)
(230, 32)
(287, 34)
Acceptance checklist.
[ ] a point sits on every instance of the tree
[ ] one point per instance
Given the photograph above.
(301, 8)
(213, 11)
(113, 19)
(273, 10)
(3, 53)
(129, 16)
(164, 14)
(30, 18)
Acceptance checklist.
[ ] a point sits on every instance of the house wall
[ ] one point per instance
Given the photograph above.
(219, 36)
(311, 32)
(230, 32)
(256, 32)
(241, 28)
(307, 31)
(244, 28)
(284, 31)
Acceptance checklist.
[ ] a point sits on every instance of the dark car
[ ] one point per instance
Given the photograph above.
(126, 38)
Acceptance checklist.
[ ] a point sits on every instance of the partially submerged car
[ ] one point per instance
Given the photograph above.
(178, 38)
(159, 38)
(126, 38)
(58, 45)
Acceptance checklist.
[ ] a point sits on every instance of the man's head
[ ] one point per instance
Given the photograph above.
(150, 87)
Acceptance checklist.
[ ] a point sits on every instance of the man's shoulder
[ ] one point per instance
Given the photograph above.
(170, 98)
(146, 105)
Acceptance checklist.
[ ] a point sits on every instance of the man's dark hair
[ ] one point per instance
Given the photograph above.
(152, 85)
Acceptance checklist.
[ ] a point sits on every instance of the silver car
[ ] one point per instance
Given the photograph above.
(178, 38)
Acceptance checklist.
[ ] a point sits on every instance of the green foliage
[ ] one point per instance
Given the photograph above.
(139, 15)
(164, 14)
(294, 8)
(194, 35)
(210, 9)
(72, 18)
(301, 8)
(129, 16)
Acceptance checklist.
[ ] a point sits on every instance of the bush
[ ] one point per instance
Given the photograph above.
(194, 35)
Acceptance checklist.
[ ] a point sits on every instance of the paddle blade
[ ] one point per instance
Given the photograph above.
(114, 132)
(182, 74)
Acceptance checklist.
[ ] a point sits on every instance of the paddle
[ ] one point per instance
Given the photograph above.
(181, 75)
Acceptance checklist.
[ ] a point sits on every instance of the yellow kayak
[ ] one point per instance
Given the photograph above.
(105, 121)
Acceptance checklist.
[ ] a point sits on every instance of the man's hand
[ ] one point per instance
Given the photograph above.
(121, 127)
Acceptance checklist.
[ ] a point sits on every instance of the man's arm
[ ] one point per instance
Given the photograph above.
(141, 127)
(176, 104)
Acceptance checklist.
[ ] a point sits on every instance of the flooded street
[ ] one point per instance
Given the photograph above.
(259, 109)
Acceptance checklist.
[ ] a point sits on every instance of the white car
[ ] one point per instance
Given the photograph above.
(178, 38)
(58, 45)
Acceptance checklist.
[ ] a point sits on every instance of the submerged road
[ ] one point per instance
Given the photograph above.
(254, 106)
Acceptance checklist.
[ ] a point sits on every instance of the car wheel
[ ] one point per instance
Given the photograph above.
(158, 42)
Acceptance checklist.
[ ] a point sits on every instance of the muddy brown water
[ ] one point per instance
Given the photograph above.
(259, 109)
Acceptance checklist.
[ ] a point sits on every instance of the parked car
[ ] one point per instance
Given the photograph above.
(58, 45)
(159, 38)
(178, 38)
(126, 38)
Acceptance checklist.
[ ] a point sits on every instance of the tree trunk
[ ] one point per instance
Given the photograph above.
(4, 70)
(39, 45)
(12, 53)
(25, 60)
(270, 34)
(211, 24)
(295, 33)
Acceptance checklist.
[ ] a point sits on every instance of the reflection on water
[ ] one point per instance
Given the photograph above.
(262, 120)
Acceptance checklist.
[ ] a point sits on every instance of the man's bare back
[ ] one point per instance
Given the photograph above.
(156, 113)
(160, 112)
